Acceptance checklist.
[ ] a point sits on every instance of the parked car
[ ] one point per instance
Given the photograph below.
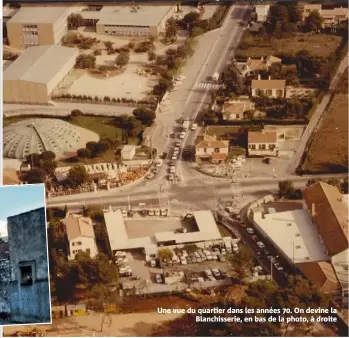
(216, 273)
(163, 212)
(260, 244)
(153, 263)
(163, 155)
(172, 163)
(158, 278)
(158, 163)
(223, 251)
(172, 170)
(183, 261)
(151, 212)
(196, 254)
(271, 259)
(208, 273)
(177, 144)
(189, 261)
(174, 157)
(193, 259)
(155, 170)
(157, 212)
(171, 177)
(149, 176)
(194, 126)
(182, 135)
(223, 274)
(250, 231)
(254, 238)
(278, 267)
(221, 258)
(212, 279)
(229, 209)
(266, 252)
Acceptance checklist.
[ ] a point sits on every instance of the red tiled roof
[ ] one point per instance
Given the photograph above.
(218, 156)
(208, 141)
(261, 137)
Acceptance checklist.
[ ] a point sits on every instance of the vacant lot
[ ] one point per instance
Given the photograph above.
(318, 44)
(329, 149)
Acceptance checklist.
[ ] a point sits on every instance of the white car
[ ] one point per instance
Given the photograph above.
(153, 263)
(278, 267)
(229, 209)
(163, 212)
(250, 231)
(158, 278)
(208, 273)
(159, 163)
(216, 273)
(224, 252)
(235, 248)
(261, 245)
(151, 212)
(174, 157)
(184, 261)
(194, 126)
(149, 176)
(172, 170)
(182, 135)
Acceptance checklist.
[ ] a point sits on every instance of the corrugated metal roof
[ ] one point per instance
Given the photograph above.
(39, 64)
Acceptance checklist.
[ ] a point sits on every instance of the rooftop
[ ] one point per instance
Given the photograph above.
(120, 240)
(39, 64)
(78, 226)
(340, 263)
(334, 12)
(208, 141)
(330, 214)
(262, 137)
(237, 106)
(294, 233)
(268, 84)
(127, 15)
(39, 14)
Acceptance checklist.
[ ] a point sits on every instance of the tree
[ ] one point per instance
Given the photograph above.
(77, 175)
(122, 59)
(151, 56)
(294, 12)
(313, 22)
(102, 146)
(84, 61)
(108, 45)
(171, 28)
(36, 175)
(33, 159)
(286, 188)
(76, 112)
(232, 80)
(75, 21)
(91, 146)
(242, 262)
(146, 116)
(84, 153)
(344, 186)
(165, 254)
(47, 156)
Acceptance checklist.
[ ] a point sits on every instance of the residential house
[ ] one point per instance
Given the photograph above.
(331, 17)
(235, 109)
(80, 235)
(209, 149)
(128, 152)
(269, 87)
(262, 12)
(262, 143)
(261, 64)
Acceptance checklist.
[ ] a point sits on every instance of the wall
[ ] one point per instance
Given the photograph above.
(28, 246)
(14, 34)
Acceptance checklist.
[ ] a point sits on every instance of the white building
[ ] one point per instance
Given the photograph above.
(262, 143)
(128, 152)
(262, 12)
(80, 235)
(269, 87)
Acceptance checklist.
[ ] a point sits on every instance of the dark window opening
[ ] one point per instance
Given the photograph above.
(26, 275)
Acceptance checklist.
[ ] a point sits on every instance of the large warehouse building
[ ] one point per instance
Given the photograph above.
(128, 20)
(34, 26)
(36, 73)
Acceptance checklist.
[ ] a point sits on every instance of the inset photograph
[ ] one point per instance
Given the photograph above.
(24, 277)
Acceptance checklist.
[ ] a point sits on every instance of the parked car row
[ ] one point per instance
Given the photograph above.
(215, 274)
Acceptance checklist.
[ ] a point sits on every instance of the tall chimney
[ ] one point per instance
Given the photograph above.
(313, 211)
(269, 77)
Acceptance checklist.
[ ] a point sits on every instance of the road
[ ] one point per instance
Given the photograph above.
(317, 116)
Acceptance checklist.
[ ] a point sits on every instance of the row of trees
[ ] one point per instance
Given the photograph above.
(42, 167)
(94, 149)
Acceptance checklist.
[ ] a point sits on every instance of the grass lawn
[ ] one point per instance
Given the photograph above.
(317, 44)
(329, 149)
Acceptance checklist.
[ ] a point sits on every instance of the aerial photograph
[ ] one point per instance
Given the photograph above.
(195, 162)
(24, 274)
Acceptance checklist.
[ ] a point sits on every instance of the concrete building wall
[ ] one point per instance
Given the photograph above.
(82, 243)
(18, 91)
(45, 33)
(29, 301)
(14, 35)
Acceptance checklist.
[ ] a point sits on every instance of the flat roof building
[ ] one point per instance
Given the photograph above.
(119, 239)
(33, 76)
(39, 25)
(129, 20)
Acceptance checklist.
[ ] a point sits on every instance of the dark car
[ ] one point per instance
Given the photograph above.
(254, 238)
(267, 160)
(163, 155)
(266, 252)
(223, 274)
(173, 135)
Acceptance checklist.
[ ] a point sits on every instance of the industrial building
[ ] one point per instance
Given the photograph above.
(36, 26)
(29, 292)
(36, 73)
(120, 239)
(128, 20)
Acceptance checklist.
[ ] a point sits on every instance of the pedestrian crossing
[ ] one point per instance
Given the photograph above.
(207, 85)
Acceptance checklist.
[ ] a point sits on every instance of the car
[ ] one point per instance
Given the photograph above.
(157, 212)
(155, 170)
(216, 273)
(172, 163)
(198, 260)
(193, 259)
(223, 251)
(151, 212)
(212, 279)
(209, 257)
(172, 135)
(223, 274)
(158, 278)
(149, 176)
(182, 135)
(208, 273)
(177, 144)
(183, 261)
(196, 254)
(216, 251)
(267, 160)
(153, 263)
(229, 209)
(278, 266)
(174, 157)
(221, 258)
(254, 238)
(260, 244)
(250, 231)
(130, 213)
(214, 257)
(194, 126)
(235, 248)
(124, 213)
(258, 268)
(172, 170)
(181, 274)
(163, 155)
(163, 212)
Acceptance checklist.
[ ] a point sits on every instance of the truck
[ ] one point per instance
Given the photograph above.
(186, 124)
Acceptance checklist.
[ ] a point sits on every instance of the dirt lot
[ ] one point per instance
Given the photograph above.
(329, 149)
(318, 44)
